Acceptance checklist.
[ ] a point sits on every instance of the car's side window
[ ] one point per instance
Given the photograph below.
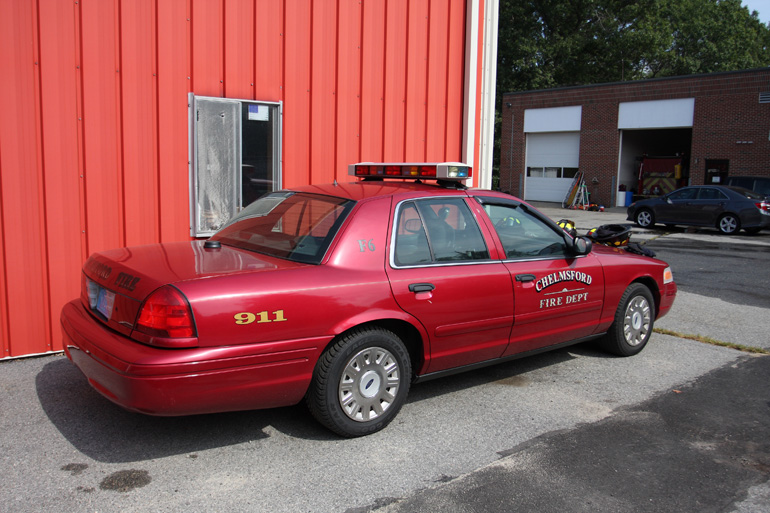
(711, 194)
(437, 231)
(683, 194)
(523, 234)
(411, 242)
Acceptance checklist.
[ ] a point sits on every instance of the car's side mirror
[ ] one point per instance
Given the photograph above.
(668, 200)
(581, 246)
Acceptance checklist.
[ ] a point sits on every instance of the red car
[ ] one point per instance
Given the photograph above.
(346, 294)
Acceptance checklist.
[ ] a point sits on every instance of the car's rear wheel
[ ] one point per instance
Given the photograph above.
(360, 382)
(633, 322)
(645, 218)
(729, 224)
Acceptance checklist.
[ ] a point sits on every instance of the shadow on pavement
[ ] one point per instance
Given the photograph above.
(107, 433)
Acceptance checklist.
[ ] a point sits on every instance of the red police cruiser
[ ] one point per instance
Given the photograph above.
(345, 294)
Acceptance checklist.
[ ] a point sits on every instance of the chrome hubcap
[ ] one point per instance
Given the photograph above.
(369, 384)
(636, 324)
(728, 224)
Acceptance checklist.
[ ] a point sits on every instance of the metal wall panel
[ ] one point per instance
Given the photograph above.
(417, 81)
(24, 283)
(348, 86)
(94, 132)
(174, 75)
(138, 88)
(297, 81)
(372, 82)
(454, 83)
(436, 83)
(395, 80)
(323, 97)
(239, 49)
(102, 146)
(63, 229)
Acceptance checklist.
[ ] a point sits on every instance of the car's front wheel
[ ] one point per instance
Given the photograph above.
(360, 382)
(645, 218)
(633, 322)
(729, 224)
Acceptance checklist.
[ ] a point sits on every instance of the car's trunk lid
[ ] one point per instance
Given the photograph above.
(117, 281)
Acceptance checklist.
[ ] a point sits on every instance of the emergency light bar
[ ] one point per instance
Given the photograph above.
(431, 171)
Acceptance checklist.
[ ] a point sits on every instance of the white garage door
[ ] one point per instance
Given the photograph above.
(552, 160)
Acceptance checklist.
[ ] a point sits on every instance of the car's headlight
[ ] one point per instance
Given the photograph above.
(668, 276)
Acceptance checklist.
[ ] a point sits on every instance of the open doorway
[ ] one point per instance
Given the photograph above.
(658, 143)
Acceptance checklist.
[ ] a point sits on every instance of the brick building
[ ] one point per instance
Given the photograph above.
(645, 136)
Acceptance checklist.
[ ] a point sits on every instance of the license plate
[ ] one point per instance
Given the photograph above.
(105, 302)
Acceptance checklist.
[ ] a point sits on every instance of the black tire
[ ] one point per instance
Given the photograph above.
(360, 382)
(645, 218)
(729, 224)
(634, 320)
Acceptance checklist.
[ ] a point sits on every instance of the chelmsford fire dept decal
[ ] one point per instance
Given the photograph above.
(567, 295)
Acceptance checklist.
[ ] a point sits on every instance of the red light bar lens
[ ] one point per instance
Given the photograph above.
(440, 171)
(428, 171)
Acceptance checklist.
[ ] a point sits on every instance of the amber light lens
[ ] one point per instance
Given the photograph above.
(166, 313)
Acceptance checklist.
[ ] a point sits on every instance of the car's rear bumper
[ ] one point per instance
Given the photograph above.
(186, 381)
(764, 222)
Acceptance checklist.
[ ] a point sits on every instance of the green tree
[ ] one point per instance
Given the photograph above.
(555, 43)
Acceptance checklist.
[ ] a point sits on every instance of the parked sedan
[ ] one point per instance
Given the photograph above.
(727, 208)
(345, 294)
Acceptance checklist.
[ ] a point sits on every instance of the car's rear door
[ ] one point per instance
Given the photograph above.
(710, 205)
(442, 273)
(558, 297)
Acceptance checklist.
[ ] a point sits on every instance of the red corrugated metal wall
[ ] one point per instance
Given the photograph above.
(94, 135)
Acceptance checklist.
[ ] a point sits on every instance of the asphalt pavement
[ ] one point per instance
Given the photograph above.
(683, 426)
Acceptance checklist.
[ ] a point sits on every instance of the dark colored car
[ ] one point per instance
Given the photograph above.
(345, 294)
(758, 184)
(727, 208)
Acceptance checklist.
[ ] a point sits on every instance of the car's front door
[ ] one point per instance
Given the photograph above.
(679, 207)
(558, 297)
(441, 272)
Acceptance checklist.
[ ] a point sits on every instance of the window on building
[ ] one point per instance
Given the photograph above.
(552, 172)
(235, 157)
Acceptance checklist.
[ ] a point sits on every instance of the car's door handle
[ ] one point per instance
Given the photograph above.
(421, 287)
(525, 277)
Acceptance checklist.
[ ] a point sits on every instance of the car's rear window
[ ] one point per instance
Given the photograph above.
(747, 193)
(295, 226)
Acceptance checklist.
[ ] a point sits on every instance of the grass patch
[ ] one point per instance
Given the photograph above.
(713, 342)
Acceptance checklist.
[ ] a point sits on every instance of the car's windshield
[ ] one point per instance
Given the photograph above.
(295, 226)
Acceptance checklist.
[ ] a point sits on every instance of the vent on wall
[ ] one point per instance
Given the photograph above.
(764, 97)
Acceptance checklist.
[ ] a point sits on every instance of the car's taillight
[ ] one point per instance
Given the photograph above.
(166, 318)
(764, 207)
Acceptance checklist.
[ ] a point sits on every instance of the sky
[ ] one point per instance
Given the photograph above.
(761, 6)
